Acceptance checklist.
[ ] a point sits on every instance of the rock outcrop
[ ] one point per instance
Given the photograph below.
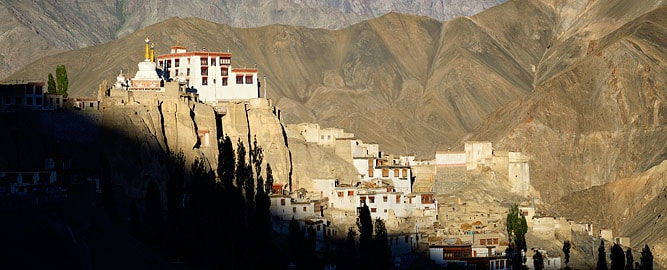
(258, 120)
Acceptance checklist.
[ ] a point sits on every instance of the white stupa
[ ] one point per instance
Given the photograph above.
(146, 77)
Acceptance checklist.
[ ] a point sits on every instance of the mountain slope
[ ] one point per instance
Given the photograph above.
(49, 27)
(578, 85)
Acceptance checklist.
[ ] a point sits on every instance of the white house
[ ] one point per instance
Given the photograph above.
(211, 74)
(378, 196)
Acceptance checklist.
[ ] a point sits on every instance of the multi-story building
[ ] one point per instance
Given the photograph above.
(22, 96)
(378, 196)
(210, 74)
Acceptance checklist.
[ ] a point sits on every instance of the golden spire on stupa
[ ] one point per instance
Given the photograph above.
(147, 56)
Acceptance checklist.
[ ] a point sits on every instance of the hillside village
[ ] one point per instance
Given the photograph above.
(450, 208)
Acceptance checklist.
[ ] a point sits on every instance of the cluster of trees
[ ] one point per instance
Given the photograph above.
(216, 224)
(516, 232)
(373, 250)
(61, 79)
(623, 260)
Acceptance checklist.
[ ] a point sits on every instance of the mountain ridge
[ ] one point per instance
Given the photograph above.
(55, 26)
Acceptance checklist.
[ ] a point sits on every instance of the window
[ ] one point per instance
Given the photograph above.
(224, 81)
(282, 201)
(239, 79)
(91, 105)
(495, 240)
(370, 172)
(248, 79)
(204, 61)
(384, 198)
(28, 100)
(188, 72)
(204, 81)
(350, 193)
(38, 90)
(340, 194)
(204, 71)
(482, 242)
(373, 210)
(188, 61)
(371, 199)
(304, 209)
(225, 61)
(395, 172)
(177, 62)
(398, 199)
(362, 199)
(38, 101)
(168, 63)
(224, 71)
(370, 163)
(294, 209)
(385, 172)
(405, 173)
(160, 63)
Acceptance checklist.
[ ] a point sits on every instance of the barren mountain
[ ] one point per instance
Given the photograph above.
(578, 85)
(30, 30)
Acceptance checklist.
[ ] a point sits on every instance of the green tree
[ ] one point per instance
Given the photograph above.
(269, 179)
(226, 162)
(63, 81)
(602, 257)
(348, 255)
(629, 260)
(646, 258)
(513, 254)
(538, 260)
(517, 227)
(381, 249)
(566, 251)
(295, 241)
(617, 257)
(365, 225)
(51, 85)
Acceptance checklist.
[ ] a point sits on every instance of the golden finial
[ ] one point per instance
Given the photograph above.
(146, 51)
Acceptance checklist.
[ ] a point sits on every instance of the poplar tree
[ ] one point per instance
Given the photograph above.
(538, 260)
(61, 78)
(647, 258)
(629, 260)
(226, 162)
(602, 257)
(51, 85)
(381, 248)
(365, 225)
(617, 257)
(566, 251)
(517, 227)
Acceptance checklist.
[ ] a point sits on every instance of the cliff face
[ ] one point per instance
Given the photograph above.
(257, 120)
